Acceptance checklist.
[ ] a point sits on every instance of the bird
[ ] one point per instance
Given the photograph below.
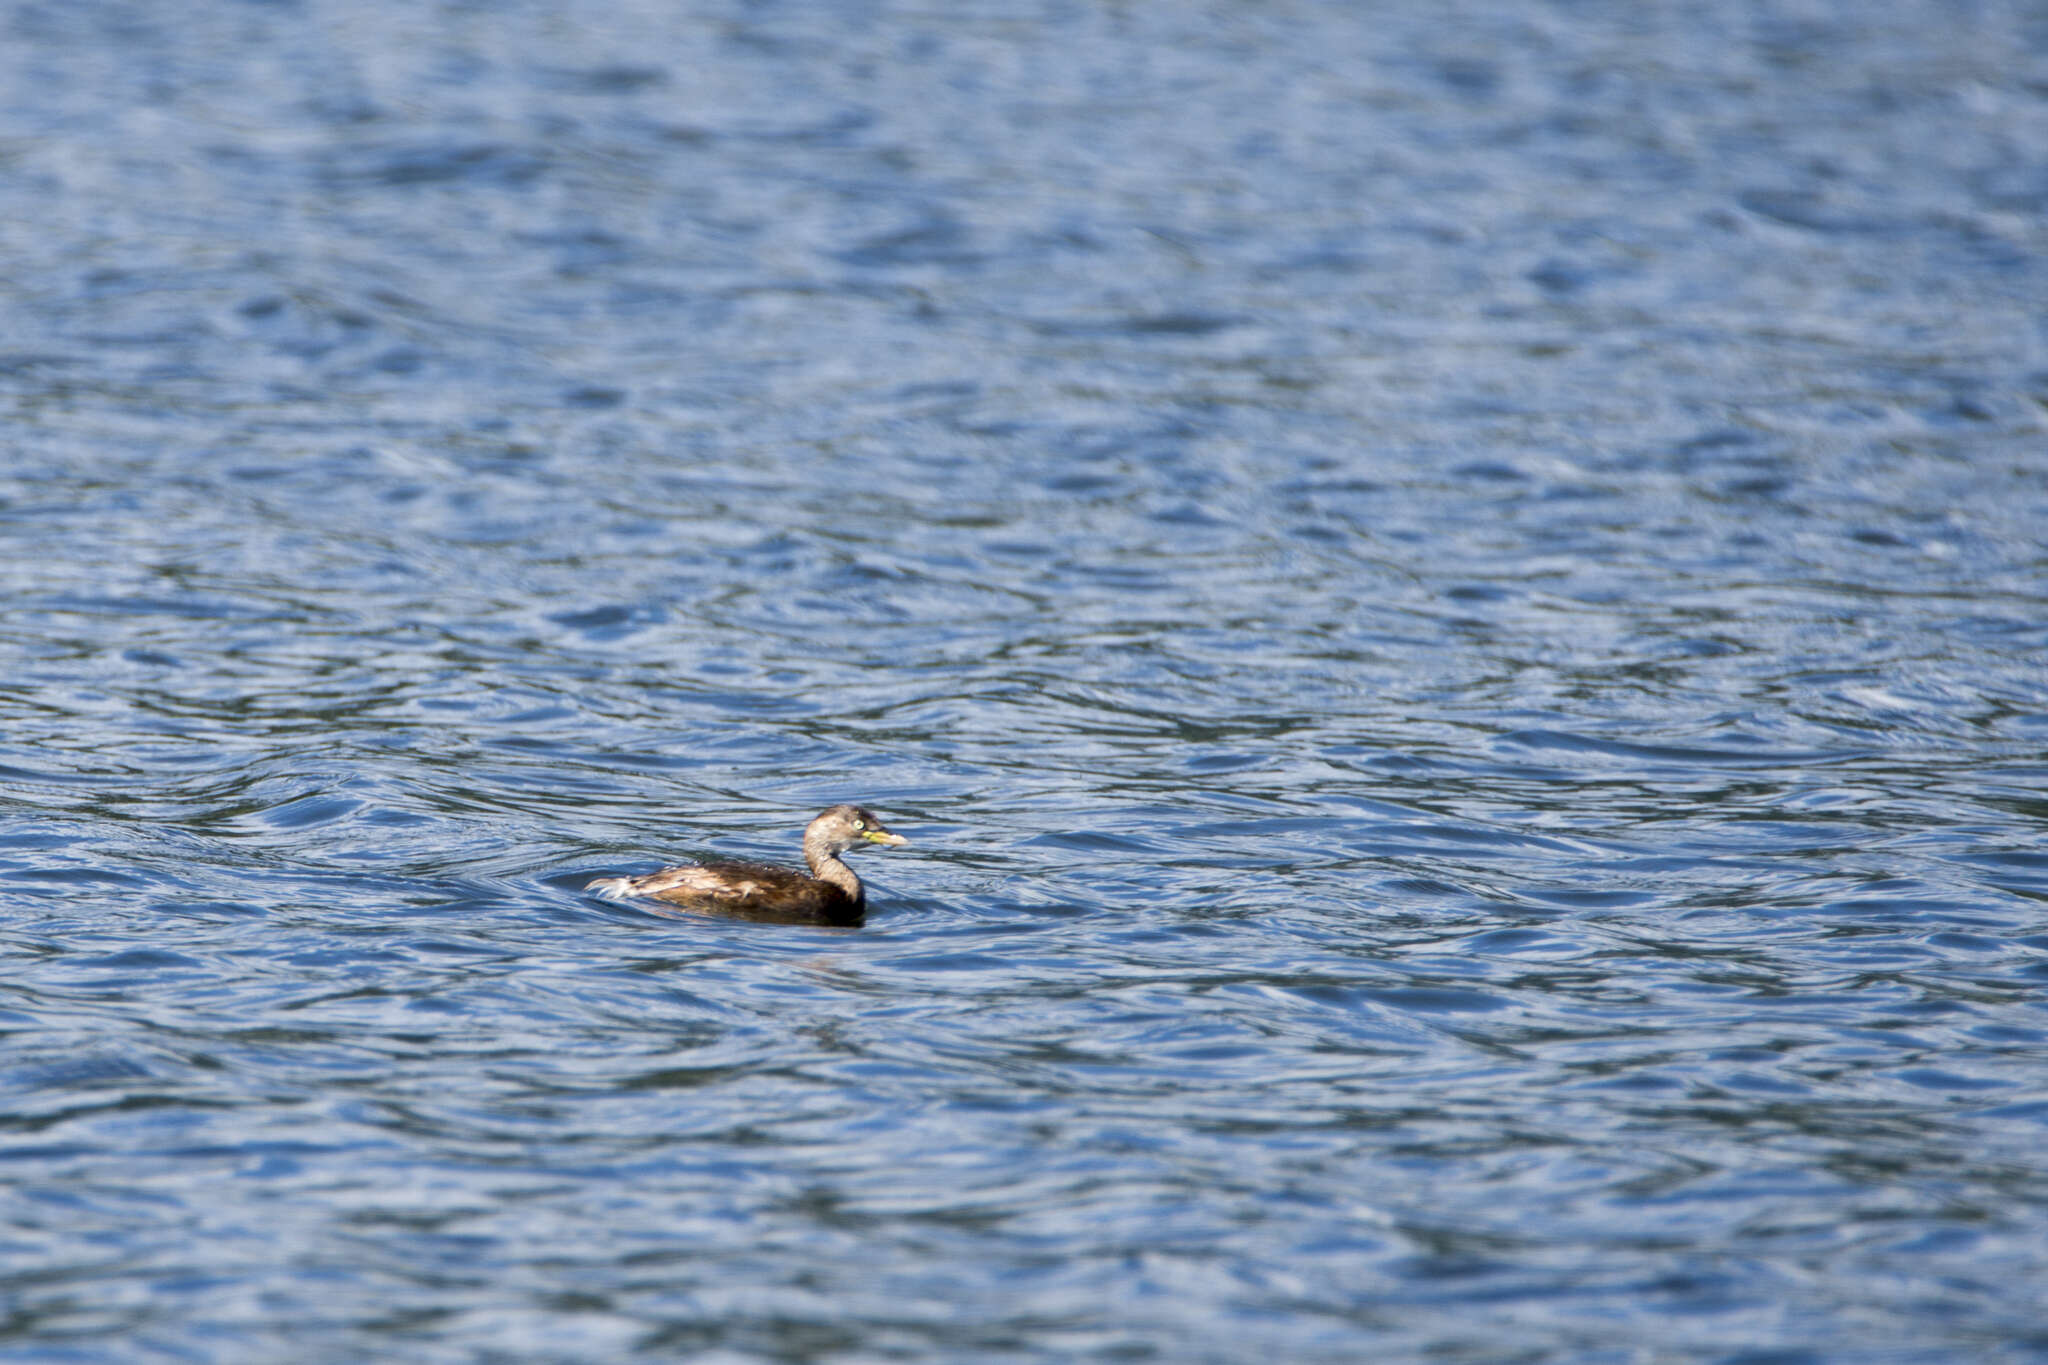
(830, 895)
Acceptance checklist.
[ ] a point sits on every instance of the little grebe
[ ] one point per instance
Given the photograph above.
(757, 891)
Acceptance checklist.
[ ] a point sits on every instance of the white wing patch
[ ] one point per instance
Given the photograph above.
(704, 882)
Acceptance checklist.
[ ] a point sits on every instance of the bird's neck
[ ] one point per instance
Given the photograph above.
(826, 867)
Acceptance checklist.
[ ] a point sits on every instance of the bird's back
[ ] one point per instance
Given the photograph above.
(740, 890)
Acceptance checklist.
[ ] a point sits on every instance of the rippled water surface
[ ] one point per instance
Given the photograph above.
(1453, 599)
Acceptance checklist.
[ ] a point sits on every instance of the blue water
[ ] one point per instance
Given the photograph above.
(1454, 600)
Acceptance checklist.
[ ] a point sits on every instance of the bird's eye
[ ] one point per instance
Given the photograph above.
(860, 824)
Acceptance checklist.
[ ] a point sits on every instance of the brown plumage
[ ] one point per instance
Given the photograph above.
(831, 894)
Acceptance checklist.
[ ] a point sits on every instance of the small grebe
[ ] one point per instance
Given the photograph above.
(830, 895)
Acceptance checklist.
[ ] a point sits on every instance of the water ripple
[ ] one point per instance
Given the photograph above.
(1471, 733)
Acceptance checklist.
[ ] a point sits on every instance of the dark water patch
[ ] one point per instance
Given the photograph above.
(435, 163)
(1682, 755)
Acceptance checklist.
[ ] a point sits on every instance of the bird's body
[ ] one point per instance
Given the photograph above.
(831, 894)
